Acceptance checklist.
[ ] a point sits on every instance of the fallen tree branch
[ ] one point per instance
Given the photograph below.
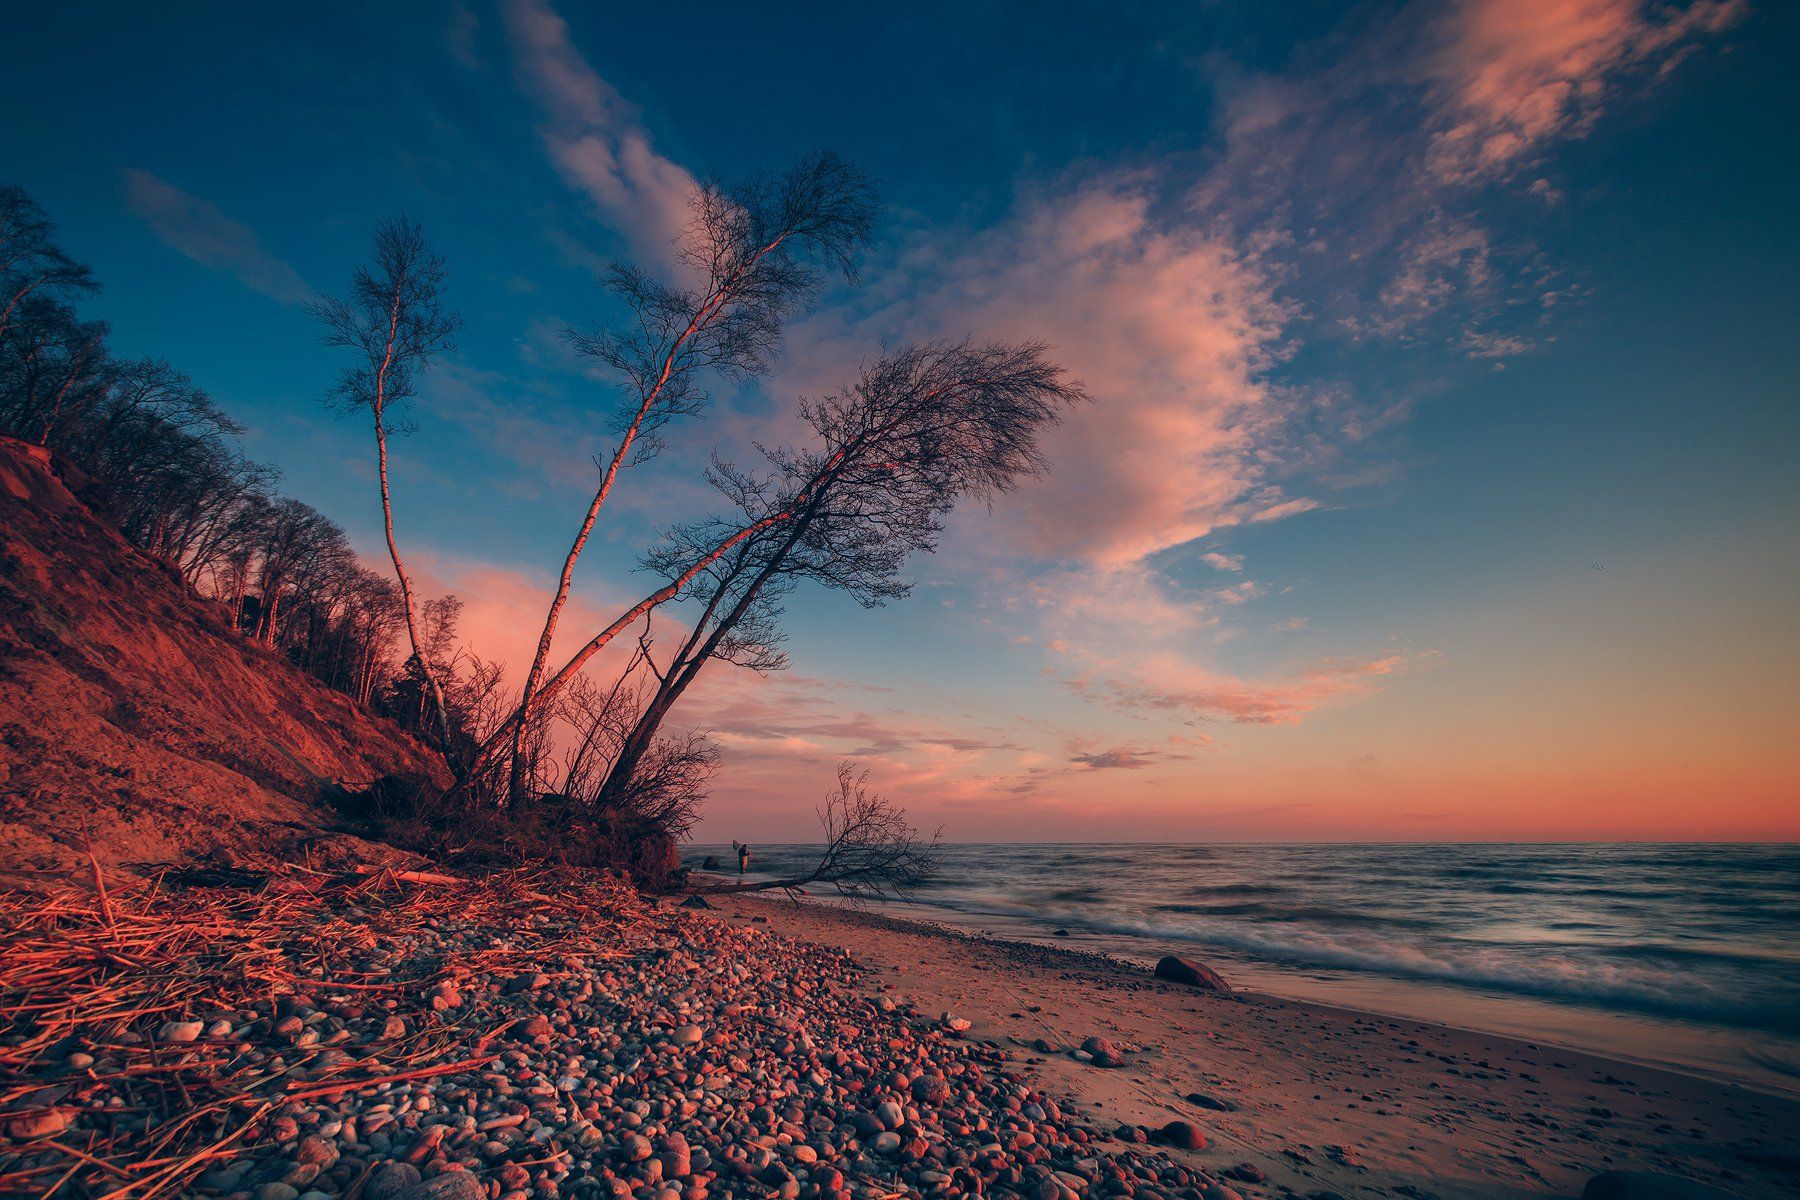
(870, 848)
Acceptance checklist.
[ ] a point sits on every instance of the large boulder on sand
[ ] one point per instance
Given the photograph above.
(1646, 1185)
(1185, 970)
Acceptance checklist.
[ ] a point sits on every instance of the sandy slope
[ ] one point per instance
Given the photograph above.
(1330, 1099)
(129, 707)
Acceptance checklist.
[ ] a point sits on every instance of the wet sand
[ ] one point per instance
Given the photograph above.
(1327, 1100)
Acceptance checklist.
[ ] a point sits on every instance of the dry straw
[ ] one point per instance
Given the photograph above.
(101, 974)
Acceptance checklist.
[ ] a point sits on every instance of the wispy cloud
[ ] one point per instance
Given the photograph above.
(1114, 760)
(200, 231)
(596, 138)
(1223, 562)
(1515, 74)
(1173, 685)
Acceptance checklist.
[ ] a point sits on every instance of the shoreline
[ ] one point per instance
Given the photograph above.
(1751, 1074)
(1658, 955)
(1327, 1097)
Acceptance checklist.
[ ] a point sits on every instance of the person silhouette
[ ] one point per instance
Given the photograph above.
(743, 857)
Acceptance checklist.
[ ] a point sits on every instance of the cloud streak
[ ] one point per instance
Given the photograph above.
(198, 230)
(595, 137)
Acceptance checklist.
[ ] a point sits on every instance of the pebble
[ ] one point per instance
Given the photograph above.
(180, 1031)
(390, 1179)
(451, 1185)
(1183, 1135)
(37, 1125)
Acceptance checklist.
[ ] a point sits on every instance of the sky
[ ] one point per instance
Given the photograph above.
(1438, 478)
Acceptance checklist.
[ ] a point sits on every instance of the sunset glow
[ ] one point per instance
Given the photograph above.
(1437, 477)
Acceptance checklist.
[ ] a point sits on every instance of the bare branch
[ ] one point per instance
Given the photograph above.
(871, 850)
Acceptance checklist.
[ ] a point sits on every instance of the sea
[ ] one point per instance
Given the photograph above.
(1683, 956)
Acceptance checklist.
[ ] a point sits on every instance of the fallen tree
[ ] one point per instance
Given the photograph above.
(871, 849)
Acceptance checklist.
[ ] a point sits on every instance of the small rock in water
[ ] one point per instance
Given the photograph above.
(1185, 970)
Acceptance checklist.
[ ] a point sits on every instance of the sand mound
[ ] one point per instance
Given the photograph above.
(127, 703)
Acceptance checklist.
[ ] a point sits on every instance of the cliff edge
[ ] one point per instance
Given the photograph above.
(132, 715)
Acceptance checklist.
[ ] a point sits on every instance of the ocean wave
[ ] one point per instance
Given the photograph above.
(1234, 889)
(1690, 932)
(1274, 911)
(1583, 979)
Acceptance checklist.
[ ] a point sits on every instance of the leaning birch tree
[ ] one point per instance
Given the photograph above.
(748, 259)
(393, 320)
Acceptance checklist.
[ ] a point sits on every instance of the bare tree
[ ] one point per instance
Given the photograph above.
(294, 535)
(923, 428)
(394, 322)
(158, 458)
(31, 263)
(749, 248)
(871, 850)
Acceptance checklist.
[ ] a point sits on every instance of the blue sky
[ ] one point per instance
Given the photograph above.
(1400, 319)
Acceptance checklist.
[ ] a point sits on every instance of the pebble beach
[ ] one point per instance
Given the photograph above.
(526, 1037)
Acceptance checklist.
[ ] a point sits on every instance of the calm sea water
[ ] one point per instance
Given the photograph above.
(1685, 955)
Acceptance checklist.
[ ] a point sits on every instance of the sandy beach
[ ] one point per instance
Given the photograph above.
(1321, 1098)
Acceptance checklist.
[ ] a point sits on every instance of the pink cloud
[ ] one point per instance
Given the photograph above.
(1516, 73)
(1170, 328)
(1128, 640)
(595, 137)
(1174, 684)
(1223, 562)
